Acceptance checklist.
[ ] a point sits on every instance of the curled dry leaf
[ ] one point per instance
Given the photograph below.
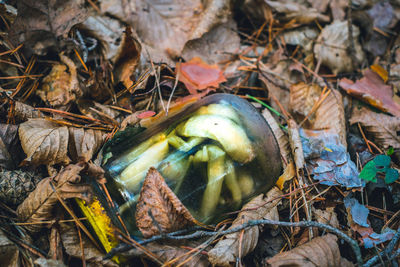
(167, 253)
(373, 90)
(281, 137)
(24, 112)
(227, 250)
(332, 44)
(383, 128)
(127, 58)
(159, 208)
(38, 206)
(71, 242)
(198, 75)
(60, 87)
(44, 142)
(84, 143)
(321, 251)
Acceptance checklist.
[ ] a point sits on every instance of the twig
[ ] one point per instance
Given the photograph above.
(252, 223)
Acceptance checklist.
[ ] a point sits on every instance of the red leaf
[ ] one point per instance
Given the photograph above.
(198, 75)
(373, 90)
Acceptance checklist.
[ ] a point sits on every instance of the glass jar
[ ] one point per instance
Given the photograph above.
(214, 154)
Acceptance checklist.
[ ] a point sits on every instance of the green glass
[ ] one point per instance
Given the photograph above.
(215, 155)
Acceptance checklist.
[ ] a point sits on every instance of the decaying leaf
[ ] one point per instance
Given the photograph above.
(373, 90)
(72, 245)
(159, 208)
(332, 44)
(281, 137)
(9, 253)
(44, 142)
(38, 206)
(383, 128)
(174, 254)
(24, 112)
(39, 23)
(198, 75)
(84, 143)
(16, 185)
(60, 87)
(127, 58)
(321, 251)
(227, 250)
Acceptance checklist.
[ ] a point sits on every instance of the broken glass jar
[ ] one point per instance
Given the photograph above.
(214, 155)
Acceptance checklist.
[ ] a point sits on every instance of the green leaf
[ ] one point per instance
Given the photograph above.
(382, 161)
(390, 151)
(368, 173)
(391, 176)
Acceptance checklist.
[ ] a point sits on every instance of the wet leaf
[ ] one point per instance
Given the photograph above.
(39, 204)
(44, 142)
(332, 44)
(158, 208)
(84, 143)
(198, 75)
(39, 23)
(71, 242)
(383, 128)
(372, 90)
(60, 87)
(127, 59)
(321, 251)
(227, 250)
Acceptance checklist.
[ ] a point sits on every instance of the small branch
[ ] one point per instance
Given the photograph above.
(252, 223)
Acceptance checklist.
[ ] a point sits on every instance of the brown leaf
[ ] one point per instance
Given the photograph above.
(24, 112)
(9, 252)
(38, 206)
(159, 208)
(372, 90)
(43, 262)
(303, 97)
(198, 75)
(327, 216)
(60, 87)
(321, 251)
(331, 47)
(11, 152)
(127, 58)
(44, 142)
(39, 23)
(71, 242)
(84, 143)
(383, 128)
(99, 111)
(227, 250)
(295, 144)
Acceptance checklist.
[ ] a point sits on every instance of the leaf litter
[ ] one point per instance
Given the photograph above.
(324, 74)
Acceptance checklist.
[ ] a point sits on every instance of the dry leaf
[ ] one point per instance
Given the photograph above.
(38, 206)
(127, 59)
(383, 128)
(159, 208)
(303, 97)
(39, 23)
(198, 75)
(321, 251)
(373, 90)
(24, 112)
(9, 252)
(44, 142)
(60, 87)
(338, 8)
(98, 111)
(280, 136)
(71, 242)
(327, 216)
(227, 250)
(43, 262)
(5, 157)
(295, 144)
(84, 143)
(332, 44)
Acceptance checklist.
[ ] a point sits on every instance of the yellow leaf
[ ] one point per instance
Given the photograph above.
(378, 69)
(287, 175)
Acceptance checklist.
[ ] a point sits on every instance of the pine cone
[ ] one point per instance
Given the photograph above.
(16, 185)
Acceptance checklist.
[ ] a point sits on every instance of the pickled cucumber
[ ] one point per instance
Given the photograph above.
(232, 182)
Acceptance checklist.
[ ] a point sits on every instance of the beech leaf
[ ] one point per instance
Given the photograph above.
(44, 142)
(372, 90)
(227, 250)
(39, 204)
(159, 208)
(84, 143)
(321, 251)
